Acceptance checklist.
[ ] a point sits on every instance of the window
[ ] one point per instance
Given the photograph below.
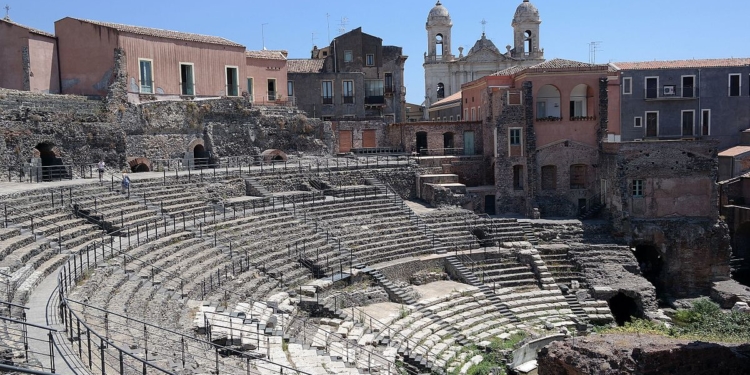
(290, 88)
(688, 86)
(327, 92)
(374, 91)
(549, 177)
(735, 84)
(233, 85)
(389, 82)
(479, 113)
(473, 114)
(458, 117)
(348, 56)
(706, 122)
(637, 188)
(515, 136)
(576, 108)
(146, 75)
(518, 177)
(450, 118)
(578, 176)
(347, 91)
(638, 122)
(652, 124)
(440, 91)
(688, 123)
(541, 109)
(627, 86)
(250, 88)
(466, 114)
(187, 86)
(271, 87)
(370, 59)
(652, 87)
(514, 98)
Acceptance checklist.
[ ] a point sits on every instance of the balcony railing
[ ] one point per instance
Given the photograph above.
(672, 92)
(233, 90)
(327, 100)
(348, 99)
(375, 99)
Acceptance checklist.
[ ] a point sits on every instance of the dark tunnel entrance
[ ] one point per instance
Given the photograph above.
(623, 308)
(140, 167)
(200, 156)
(651, 263)
(52, 166)
(740, 262)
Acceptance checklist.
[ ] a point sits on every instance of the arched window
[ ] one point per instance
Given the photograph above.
(549, 177)
(439, 45)
(547, 102)
(579, 101)
(528, 42)
(440, 90)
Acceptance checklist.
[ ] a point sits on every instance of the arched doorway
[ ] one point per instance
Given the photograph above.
(651, 263)
(139, 165)
(448, 143)
(52, 166)
(421, 143)
(200, 156)
(623, 308)
(740, 261)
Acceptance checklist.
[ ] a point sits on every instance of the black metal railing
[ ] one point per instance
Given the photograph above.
(36, 342)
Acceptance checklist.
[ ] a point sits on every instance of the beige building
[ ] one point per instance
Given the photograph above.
(446, 72)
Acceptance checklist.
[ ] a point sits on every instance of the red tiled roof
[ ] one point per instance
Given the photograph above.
(564, 64)
(735, 151)
(673, 64)
(509, 71)
(168, 34)
(305, 65)
(31, 30)
(451, 98)
(268, 55)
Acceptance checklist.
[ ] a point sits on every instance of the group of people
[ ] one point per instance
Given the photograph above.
(125, 178)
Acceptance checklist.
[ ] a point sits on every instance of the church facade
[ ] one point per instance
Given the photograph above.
(446, 72)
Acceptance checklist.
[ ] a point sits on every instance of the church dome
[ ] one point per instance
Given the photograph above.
(439, 16)
(525, 13)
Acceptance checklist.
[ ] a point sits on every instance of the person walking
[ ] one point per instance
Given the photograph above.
(125, 183)
(100, 168)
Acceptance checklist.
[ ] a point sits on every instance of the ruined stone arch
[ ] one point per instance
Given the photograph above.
(138, 165)
(195, 142)
(274, 155)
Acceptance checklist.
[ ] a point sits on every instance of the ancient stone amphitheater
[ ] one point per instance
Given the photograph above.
(292, 268)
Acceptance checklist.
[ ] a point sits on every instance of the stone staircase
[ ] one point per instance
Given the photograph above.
(528, 232)
(468, 277)
(395, 293)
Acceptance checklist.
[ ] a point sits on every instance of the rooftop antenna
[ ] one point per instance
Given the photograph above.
(7, 12)
(263, 34)
(328, 23)
(484, 25)
(594, 47)
(313, 39)
(342, 26)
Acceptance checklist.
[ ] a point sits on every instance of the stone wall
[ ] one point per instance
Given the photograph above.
(403, 272)
(357, 128)
(642, 354)
(84, 131)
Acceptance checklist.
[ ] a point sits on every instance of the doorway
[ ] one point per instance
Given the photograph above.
(232, 81)
(271, 89)
(422, 143)
(623, 308)
(200, 156)
(187, 85)
(651, 263)
(448, 145)
(489, 205)
(652, 124)
(468, 143)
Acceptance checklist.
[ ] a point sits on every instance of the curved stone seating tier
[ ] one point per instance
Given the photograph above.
(540, 308)
(504, 272)
(374, 229)
(506, 230)
(454, 227)
(560, 265)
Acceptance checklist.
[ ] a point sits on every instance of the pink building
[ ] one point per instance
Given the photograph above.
(266, 77)
(28, 59)
(165, 64)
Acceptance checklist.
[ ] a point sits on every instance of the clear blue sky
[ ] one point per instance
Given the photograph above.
(631, 30)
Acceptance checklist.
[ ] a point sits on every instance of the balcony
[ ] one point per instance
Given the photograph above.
(672, 92)
(348, 99)
(327, 100)
(375, 99)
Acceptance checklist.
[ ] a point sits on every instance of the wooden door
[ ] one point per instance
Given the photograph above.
(345, 140)
(368, 139)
